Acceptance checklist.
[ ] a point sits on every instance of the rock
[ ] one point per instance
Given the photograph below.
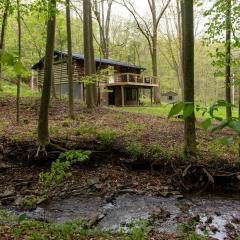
(213, 228)
(3, 166)
(209, 220)
(159, 215)
(7, 193)
(99, 186)
(202, 227)
(179, 197)
(235, 220)
(18, 201)
(164, 194)
(21, 185)
(95, 219)
(230, 227)
(218, 214)
(110, 198)
(195, 218)
(7, 201)
(93, 181)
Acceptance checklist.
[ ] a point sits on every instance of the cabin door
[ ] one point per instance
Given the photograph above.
(111, 96)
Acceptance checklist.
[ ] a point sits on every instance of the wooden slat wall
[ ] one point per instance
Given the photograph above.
(60, 73)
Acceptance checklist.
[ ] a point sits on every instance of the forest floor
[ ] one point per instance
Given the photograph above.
(132, 153)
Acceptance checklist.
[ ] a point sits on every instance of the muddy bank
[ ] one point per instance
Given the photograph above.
(112, 169)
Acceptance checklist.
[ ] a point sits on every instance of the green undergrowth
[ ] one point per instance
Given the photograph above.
(24, 228)
(9, 88)
(189, 231)
(164, 109)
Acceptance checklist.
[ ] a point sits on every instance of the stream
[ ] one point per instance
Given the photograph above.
(218, 215)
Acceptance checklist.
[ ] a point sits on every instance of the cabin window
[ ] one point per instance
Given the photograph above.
(170, 98)
(131, 94)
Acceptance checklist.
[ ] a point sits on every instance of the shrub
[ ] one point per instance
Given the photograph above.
(84, 128)
(138, 230)
(60, 168)
(134, 149)
(106, 136)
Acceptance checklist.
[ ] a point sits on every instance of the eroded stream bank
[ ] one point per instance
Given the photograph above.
(111, 191)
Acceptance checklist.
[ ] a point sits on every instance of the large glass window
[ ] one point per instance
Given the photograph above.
(131, 94)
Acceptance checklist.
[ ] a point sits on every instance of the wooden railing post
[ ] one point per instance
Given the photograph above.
(128, 77)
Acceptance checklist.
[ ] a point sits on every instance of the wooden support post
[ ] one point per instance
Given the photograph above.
(151, 93)
(127, 77)
(123, 98)
(32, 80)
(138, 99)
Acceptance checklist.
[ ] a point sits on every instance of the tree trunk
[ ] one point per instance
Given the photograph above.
(228, 59)
(43, 134)
(238, 119)
(89, 60)
(157, 98)
(19, 78)
(3, 30)
(70, 67)
(188, 75)
(53, 87)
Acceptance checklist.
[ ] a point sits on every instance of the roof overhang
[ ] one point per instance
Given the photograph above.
(80, 57)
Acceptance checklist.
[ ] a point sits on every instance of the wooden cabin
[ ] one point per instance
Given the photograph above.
(120, 88)
(170, 97)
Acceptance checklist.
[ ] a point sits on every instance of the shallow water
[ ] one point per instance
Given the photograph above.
(125, 208)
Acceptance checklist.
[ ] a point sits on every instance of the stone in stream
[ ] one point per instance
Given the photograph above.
(209, 220)
(236, 220)
(159, 215)
(213, 228)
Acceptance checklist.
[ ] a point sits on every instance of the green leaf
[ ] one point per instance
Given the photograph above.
(206, 123)
(226, 140)
(235, 125)
(22, 218)
(188, 110)
(224, 123)
(176, 108)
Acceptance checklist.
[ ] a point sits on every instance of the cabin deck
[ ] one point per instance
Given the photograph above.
(131, 79)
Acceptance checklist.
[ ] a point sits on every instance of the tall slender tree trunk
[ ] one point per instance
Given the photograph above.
(70, 67)
(43, 133)
(180, 69)
(188, 74)
(157, 97)
(228, 59)
(89, 60)
(19, 77)
(238, 119)
(3, 31)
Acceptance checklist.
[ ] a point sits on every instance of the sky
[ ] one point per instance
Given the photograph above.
(141, 6)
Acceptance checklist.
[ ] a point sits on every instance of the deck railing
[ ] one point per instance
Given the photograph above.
(133, 78)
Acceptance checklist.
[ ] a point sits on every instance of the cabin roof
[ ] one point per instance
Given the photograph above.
(170, 93)
(80, 57)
